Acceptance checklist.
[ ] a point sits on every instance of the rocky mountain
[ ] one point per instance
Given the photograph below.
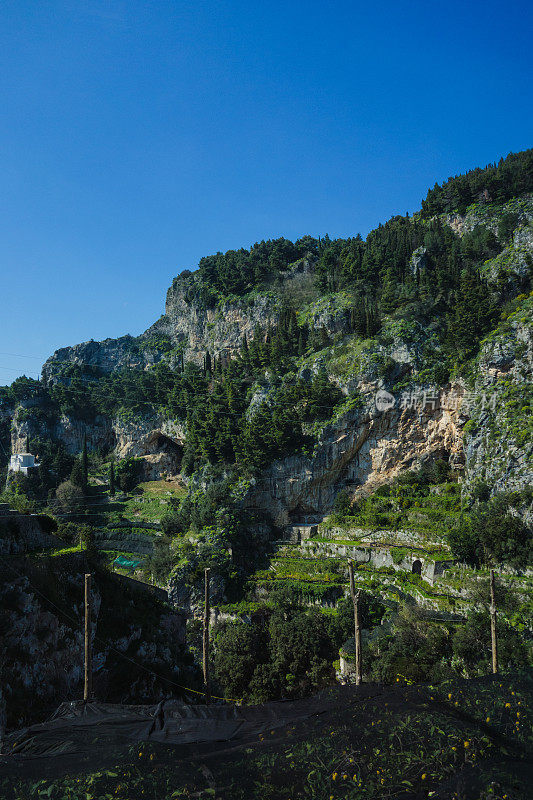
(297, 405)
(460, 386)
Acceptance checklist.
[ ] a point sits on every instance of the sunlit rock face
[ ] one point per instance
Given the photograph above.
(361, 451)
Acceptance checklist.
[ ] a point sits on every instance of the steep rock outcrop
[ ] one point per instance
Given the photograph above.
(104, 357)
(196, 328)
(490, 216)
(31, 419)
(156, 440)
(406, 352)
(360, 451)
(22, 533)
(499, 436)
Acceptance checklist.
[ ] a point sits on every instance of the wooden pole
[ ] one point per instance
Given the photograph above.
(206, 638)
(493, 623)
(357, 628)
(88, 684)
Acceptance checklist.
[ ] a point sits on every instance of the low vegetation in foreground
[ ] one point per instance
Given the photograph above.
(470, 740)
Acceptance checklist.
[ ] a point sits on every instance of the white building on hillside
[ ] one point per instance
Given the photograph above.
(22, 462)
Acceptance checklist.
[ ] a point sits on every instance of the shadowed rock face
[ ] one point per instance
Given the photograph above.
(219, 330)
(104, 357)
(498, 447)
(41, 649)
(23, 533)
(185, 324)
(154, 439)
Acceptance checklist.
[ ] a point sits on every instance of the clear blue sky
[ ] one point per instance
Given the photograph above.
(136, 137)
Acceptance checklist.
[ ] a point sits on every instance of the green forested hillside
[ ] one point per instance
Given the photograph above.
(409, 271)
(254, 400)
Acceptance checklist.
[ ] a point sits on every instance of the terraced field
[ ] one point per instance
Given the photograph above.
(398, 547)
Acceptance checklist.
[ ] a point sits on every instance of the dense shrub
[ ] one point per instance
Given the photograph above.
(493, 534)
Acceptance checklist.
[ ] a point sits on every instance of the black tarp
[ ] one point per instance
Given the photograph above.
(74, 724)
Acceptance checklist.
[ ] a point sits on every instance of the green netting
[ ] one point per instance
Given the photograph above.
(127, 563)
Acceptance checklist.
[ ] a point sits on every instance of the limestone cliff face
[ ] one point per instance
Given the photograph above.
(22, 533)
(41, 652)
(187, 326)
(515, 258)
(499, 440)
(361, 448)
(31, 419)
(103, 357)
(490, 216)
(193, 325)
(196, 328)
(360, 451)
(156, 440)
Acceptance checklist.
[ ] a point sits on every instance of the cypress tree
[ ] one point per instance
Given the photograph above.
(208, 367)
(77, 476)
(84, 463)
(112, 480)
(27, 444)
(301, 343)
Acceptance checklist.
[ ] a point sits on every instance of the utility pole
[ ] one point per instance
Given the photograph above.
(493, 623)
(357, 627)
(206, 638)
(88, 683)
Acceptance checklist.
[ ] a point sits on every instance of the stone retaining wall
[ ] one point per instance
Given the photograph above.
(126, 542)
(24, 533)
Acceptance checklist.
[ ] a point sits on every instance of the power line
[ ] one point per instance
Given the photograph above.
(11, 369)
(106, 644)
(96, 503)
(19, 355)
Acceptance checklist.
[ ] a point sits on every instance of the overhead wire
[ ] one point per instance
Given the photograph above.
(76, 622)
(80, 507)
(81, 392)
(20, 355)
